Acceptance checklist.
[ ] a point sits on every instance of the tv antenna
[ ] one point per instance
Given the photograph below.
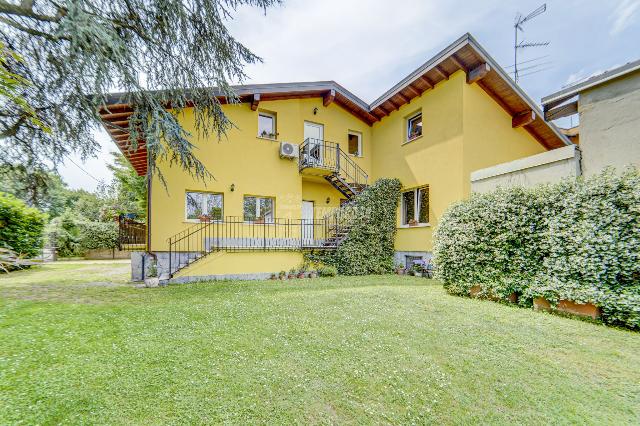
(520, 20)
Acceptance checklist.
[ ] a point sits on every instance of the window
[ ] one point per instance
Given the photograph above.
(267, 125)
(258, 209)
(355, 144)
(414, 126)
(203, 205)
(415, 206)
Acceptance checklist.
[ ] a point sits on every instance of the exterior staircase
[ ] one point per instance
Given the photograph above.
(233, 234)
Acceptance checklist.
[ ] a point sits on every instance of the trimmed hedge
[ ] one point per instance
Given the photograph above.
(577, 240)
(369, 247)
(20, 226)
(73, 235)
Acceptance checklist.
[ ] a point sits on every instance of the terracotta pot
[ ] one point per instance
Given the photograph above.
(301, 275)
(541, 304)
(475, 290)
(513, 298)
(400, 271)
(291, 276)
(580, 309)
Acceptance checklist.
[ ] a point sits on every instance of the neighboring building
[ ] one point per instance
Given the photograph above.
(279, 183)
(609, 108)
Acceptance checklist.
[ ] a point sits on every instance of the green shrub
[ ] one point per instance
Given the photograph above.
(98, 235)
(20, 226)
(576, 240)
(328, 271)
(369, 246)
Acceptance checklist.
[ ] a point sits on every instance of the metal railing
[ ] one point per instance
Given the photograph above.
(233, 234)
(132, 235)
(321, 154)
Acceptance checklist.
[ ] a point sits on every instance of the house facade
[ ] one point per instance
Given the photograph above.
(300, 151)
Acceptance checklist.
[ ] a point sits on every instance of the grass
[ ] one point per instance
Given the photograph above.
(80, 345)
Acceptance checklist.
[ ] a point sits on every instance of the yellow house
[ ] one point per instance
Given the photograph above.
(301, 150)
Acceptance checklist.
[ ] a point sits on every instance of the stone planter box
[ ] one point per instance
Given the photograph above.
(152, 282)
(569, 307)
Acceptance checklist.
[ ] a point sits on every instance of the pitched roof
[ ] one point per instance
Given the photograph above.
(596, 80)
(464, 53)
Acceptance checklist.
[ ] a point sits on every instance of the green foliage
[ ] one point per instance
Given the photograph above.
(131, 188)
(369, 247)
(73, 53)
(20, 226)
(577, 240)
(328, 271)
(73, 234)
(98, 235)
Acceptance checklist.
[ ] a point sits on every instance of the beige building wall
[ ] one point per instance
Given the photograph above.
(610, 124)
(547, 167)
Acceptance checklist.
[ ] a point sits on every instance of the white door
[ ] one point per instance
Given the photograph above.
(307, 222)
(314, 134)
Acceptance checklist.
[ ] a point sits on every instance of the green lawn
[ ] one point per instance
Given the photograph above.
(78, 344)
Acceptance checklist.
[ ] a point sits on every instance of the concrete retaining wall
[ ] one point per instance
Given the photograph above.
(548, 167)
(107, 254)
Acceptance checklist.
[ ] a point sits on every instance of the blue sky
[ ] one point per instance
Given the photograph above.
(369, 45)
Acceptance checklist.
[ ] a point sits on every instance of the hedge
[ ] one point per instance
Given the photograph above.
(577, 240)
(369, 246)
(20, 226)
(73, 235)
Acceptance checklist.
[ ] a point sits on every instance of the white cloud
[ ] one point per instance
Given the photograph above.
(624, 15)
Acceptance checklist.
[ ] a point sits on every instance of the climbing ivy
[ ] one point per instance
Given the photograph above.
(369, 246)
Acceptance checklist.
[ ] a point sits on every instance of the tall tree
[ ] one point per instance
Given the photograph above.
(160, 53)
(130, 186)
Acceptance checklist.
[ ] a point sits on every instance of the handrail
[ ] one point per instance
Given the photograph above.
(318, 153)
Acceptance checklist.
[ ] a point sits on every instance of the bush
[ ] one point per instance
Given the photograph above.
(577, 240)
(369, 246)
(98, 235)
(20, 226)
(328, 271)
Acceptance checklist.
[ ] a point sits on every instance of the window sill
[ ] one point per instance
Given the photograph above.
(411, 140)
(420, 225)
(355, 155)
(267, 139)
(199, 221)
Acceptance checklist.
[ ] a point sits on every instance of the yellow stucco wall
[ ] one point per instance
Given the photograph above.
(463, 130)
(254, 167)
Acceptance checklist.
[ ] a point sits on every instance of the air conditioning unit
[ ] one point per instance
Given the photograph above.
(288, 150)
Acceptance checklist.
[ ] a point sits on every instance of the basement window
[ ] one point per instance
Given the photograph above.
(415, 206)
(414, 126)
(355, 144)
(203, 206)
(267, 125)
(258, 209)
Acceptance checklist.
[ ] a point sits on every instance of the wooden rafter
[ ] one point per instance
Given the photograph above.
(426, 81)
(255, 100)
(329, 97)
(441, 72)
(523, 119)
(458, 62)
(403, 97)
(561, 111)
(413, 90)
(478, 73)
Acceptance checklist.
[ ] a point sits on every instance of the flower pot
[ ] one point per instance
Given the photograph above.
(400, 271)
(513, 298)
(417, 274)
(475, 291)
(152, 282)
(301, 275)
(291, 276)
(580, 309)
(313, 274)
(273, 277)
(541, 304)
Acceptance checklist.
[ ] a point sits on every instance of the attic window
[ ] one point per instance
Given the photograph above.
(267, 125)
(414, 127)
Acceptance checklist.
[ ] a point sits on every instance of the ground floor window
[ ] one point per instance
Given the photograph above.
(258, 209)
(415, 206)
(203, 206)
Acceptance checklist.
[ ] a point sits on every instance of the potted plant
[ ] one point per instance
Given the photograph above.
(259, 220)
(204, 218)
(273, 277)
(292, 273)
(418, 267)
(282, 275)
(400, 269)
(152, 279)
(302, 273)
(413, 222)
(313, 273)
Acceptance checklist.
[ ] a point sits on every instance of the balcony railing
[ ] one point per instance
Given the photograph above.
(233, 234)
(325, 155)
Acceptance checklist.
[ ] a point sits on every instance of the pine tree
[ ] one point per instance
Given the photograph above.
(72, 53)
